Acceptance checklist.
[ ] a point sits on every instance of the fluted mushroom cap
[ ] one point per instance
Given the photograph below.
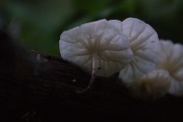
(100, 41)
(144, 43)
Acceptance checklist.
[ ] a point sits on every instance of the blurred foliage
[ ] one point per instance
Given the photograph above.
(38, 24)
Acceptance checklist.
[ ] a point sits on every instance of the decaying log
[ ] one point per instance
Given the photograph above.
(36, 87)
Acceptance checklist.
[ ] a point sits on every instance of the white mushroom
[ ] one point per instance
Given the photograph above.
(172, 61)
(95, 45)
(152, 85)
(167, 77)
(144, 43)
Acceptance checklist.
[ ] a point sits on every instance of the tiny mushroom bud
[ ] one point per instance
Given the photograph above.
(172, 61)
(97, 46)
(144, 43)
(152, 85)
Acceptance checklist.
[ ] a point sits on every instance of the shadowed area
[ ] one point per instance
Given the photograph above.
(37, 87)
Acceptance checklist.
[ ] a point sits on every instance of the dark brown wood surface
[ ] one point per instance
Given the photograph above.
(36, 87)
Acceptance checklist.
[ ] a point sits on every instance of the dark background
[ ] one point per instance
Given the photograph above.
(38, 24)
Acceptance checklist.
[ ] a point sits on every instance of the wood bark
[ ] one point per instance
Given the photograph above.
(36, 87)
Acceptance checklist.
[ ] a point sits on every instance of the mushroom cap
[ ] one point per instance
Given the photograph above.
(154, 84)
(172, 61)
(144, 43)
(101, 40)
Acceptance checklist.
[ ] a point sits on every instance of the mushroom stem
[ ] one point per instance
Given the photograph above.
(93, 73)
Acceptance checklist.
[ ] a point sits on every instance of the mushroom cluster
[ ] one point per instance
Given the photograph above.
(172, 61)
(150, 67)
(166, 77)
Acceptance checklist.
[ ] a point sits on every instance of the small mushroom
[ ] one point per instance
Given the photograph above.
(144, 43)
(172, 61)
(96, 45)
(152, 85)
